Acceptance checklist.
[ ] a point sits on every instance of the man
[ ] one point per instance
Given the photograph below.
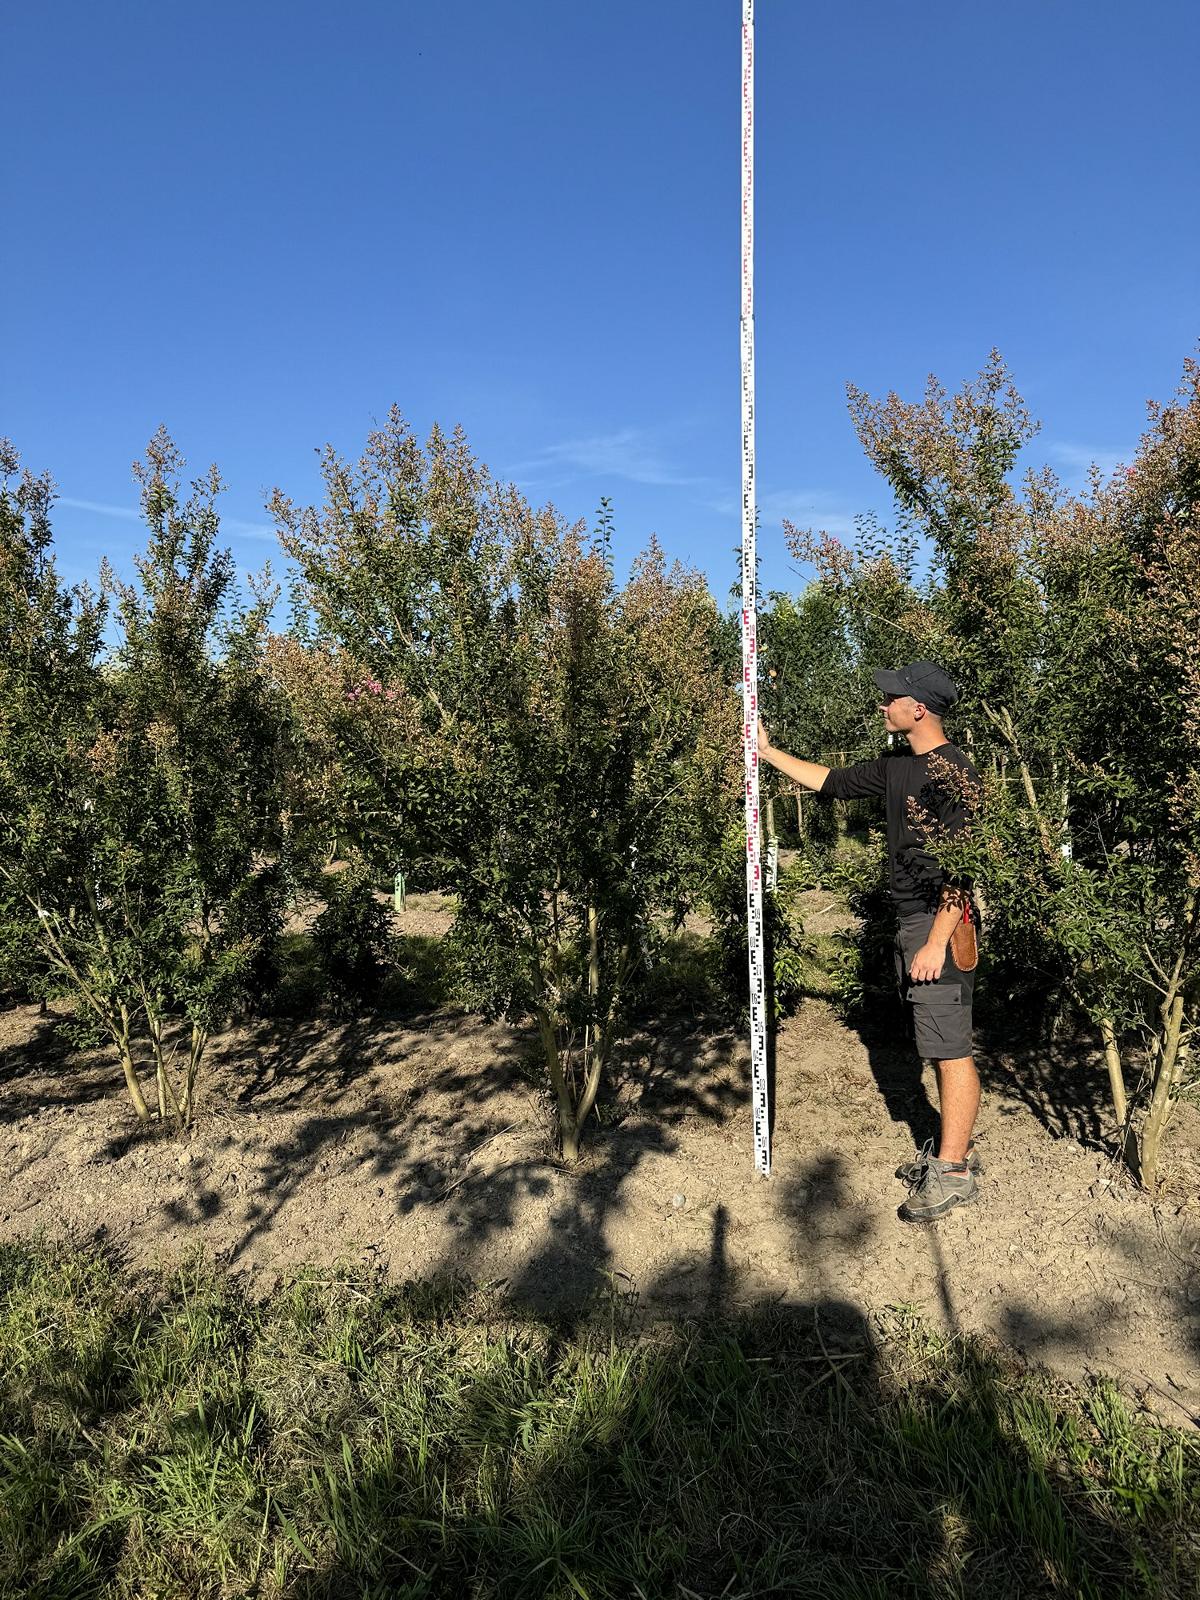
(920, 787)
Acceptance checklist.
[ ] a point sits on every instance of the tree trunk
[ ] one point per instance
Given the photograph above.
(593, 924)
(196, 1050)
(132, 1084)
(602, 1040)
(592, 1050)
(594, 1070)
(568, 1127)
(1168, 1062)
(128, 1068)
(575, 1108)
(1120, 1100)
(1116, 1076)
(1169, 1066)
(167, 1098)
(1002, 721)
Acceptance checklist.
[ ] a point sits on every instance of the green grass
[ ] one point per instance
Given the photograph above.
(164, 1437)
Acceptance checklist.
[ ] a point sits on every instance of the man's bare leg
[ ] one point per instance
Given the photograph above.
(958, 1098)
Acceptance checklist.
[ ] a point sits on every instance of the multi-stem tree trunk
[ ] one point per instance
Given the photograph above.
(1167, 1055)
(196, 1048)
(575, 1097)
(574, 1106)
(178, 1103)
(168, 1100)
(113, 1015)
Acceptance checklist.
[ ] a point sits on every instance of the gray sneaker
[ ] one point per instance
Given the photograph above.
(910, 1171)
(940, 1187)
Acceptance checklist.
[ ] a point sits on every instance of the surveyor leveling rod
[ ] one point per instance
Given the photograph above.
(754, 877)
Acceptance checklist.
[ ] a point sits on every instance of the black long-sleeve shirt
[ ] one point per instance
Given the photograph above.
(915, 877)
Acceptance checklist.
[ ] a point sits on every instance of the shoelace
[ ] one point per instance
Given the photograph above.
(921, 1166)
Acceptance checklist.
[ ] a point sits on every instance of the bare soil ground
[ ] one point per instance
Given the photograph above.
(421, 1145)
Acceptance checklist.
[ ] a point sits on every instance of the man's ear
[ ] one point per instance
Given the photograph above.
(919, 710)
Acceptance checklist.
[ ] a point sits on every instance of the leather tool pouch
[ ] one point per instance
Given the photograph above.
(964, 941)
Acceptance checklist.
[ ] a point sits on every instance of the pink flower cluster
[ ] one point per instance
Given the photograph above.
(373, 687)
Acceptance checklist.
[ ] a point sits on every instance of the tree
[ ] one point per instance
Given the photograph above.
(1046, 607)
(142, 819)
(50, 687)
(556, 747)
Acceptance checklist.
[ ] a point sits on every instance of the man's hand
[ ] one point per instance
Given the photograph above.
(809, 773)
(928, 962)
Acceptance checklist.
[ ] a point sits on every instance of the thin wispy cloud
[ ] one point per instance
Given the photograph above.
(629, 454)
(1077, 460)
(101, 508)
(126, 513)
(809, 508)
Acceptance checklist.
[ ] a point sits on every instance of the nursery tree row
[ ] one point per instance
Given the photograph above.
(469, 691)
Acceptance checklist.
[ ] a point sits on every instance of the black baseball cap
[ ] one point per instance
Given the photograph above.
(924, 680)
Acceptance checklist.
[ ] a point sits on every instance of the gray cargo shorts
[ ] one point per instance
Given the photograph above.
(940, 1011)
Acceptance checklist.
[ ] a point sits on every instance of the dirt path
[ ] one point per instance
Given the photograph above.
(422, 1147)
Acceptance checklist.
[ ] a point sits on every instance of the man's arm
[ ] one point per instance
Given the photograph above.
(865, 780)
(810, 773)
(929, 960)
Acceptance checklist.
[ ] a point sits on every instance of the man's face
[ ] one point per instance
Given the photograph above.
(901, 712)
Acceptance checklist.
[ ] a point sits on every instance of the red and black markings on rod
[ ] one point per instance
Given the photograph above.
(754, 878)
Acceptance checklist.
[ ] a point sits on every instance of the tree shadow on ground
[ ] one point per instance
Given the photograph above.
(419, 1144)
(388, 1138)
(298, 1041)
(661, 1083)
(44, 1070)
(1084, 1329)
(1061, 1081)
(416, 1139)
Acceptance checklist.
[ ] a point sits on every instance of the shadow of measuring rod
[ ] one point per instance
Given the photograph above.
(943, 1280)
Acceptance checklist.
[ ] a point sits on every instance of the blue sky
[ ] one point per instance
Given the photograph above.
(263, 223)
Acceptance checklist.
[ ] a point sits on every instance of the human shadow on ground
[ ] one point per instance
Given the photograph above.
(754, 1449)
(450, 1443)
(426, 1146)
(897, 1069)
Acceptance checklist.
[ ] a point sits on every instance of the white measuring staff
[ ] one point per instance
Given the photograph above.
(754, 876)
